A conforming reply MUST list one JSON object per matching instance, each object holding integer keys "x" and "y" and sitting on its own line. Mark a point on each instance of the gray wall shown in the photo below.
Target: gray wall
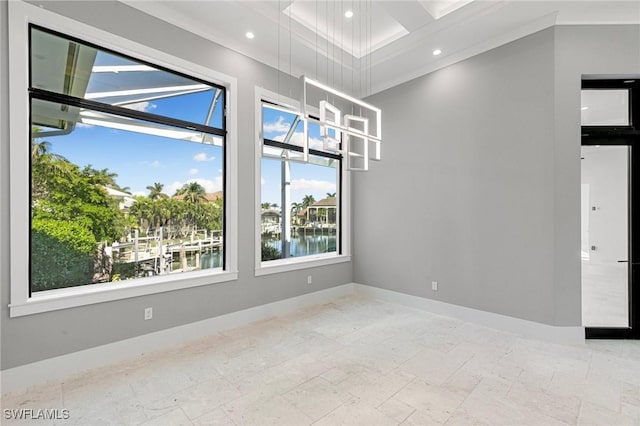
{"x": 463, "y": 188}
{"x": 580, "y": 50}
{"x": 36, "y": 337}
{"x": 479, "y": 187}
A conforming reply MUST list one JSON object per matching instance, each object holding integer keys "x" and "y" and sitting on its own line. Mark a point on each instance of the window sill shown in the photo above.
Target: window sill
{"x": 294, "y": 264}
{"x": 53, "y": 300}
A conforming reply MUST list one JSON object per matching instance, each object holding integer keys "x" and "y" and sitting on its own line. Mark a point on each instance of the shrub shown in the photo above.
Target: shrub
{"x": 269, "y": 252}
{"x": 62, "y": 254}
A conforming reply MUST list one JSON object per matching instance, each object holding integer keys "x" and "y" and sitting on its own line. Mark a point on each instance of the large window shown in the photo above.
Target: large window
{"x": 300, "y": 210}
{"x": 120, "y": 160}
{"x": 126, "y": 167}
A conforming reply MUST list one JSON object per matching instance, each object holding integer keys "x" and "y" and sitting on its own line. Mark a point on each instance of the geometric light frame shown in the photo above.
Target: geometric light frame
{"x": 367, "y": 134}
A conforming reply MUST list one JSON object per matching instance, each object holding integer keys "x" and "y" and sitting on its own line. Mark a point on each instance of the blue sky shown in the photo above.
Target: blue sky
{"x": 306, "y": 179}
{"x": 141, "y": 159}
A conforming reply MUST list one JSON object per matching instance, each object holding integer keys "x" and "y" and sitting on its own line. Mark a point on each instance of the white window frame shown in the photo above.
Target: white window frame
{"x": 303, "y": 262}
{"x": 20, "y": 16}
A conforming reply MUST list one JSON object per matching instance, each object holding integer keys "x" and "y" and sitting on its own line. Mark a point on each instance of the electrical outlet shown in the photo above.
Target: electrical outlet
{"x": 434, "y": 285}
{"x": 148, "y": 313}
{"x": 309, "y": 279}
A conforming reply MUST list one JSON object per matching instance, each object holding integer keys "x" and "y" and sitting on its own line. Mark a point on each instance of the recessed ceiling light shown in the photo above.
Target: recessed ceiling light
{"x": 250, "y": 35}
{"x": 348, "y": 14}
{"x": 436, "y": 52}
{"x": 584, "y": 108}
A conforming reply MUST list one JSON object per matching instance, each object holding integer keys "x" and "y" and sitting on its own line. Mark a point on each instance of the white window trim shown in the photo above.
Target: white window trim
{"x": 20, "y": 15}
{"x": 297, "y": 263}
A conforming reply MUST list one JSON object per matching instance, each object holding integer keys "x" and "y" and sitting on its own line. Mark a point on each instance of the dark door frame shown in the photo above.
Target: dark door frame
{"x": 623, "y": 136}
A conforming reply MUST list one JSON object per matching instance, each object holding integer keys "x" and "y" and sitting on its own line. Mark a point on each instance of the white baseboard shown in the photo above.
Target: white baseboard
{"x": 21, "y": 377}
{"x": 530, "y": 329}
{"x": 57, "y": 368}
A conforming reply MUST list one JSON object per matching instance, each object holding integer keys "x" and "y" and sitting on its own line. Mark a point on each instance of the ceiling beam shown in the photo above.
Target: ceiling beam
{"x": 411, "y": 15}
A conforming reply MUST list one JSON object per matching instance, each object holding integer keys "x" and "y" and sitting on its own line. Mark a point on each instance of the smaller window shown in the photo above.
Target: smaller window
{"x": 605, "y": 107}
{"x": 300, "y": 209}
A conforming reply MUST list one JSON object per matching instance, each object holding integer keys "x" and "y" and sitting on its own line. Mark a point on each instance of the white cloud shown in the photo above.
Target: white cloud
{"x": 315, "y": 143}
{"x": 313, "y": 185}
{"x": 208, "y": 184}
{"x": 141, "y": 106}
{"x": 262, "y": 181}
{"x": 155, "y": 163}
{"x": 298, "y": 140}
{"x": 193, "y": 171}
{"x": 139, "y": 193}
{"x": 202, "y": 156}
{"x": 279, "y": 126}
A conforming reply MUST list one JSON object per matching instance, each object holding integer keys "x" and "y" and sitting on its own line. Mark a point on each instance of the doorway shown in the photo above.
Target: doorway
{"x": 610, "y": 201}
{"x": 605, "y": 235}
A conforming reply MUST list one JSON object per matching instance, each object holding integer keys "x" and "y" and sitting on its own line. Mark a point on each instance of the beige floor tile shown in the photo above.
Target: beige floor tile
{"x": 562, "y": 408}
{"x": 317, "y": 397}
{"x": 259, "y": 410}
{"x": 433, "y": 403}
{"x": 174, "y": 418}
{"x": 396, "y": 409}
{"x": 354, "y": 361}
{"x": 374, "y": 388}
{"x": 216, "y": 417}
{"x": 356, "y": 413}
{"x": 592, "y": 415}
{"x": 205, "y": 396}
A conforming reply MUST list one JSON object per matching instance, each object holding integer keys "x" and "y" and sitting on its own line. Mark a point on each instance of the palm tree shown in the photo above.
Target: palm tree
{"x": 39, "y": 148}
{"x": 331, "y": 194}
{"x": 45, "y": 166}
{"x": 155, "y": 191}
{"x": 141, "y": 209}
{"x": 296, "y": 207}
{"x": 101, "y": 177}
{"x": 308, "y": 200}
{"x": 265, "y": 206}
{"x": 193, "y": 192}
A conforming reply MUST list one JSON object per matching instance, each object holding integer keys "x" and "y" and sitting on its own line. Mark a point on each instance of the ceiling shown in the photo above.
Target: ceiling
{"x": 384, "y": 43}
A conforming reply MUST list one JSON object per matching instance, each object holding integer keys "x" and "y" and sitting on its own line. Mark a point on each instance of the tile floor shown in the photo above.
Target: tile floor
{"x": 355, "y": 361}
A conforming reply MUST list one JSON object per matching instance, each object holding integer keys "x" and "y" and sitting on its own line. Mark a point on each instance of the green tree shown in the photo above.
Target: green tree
{"x": 331, "y": 194}
{"x": 45, "y": 166}
{"x": 141, "y": 211}
{"x": 70, "y": 206}
{"x": 102, "y": 177}
{"x": 307, "y": 201}
{"x": 193, "y": 192}
{"x": 295, "y": 208}
{"x": 155, "y": 191}
{"x": 60, "y": 190}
